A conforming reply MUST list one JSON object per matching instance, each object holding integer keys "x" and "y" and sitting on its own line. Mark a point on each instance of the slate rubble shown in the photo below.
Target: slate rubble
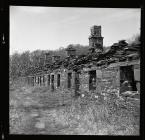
{"x": 119, "y": 52}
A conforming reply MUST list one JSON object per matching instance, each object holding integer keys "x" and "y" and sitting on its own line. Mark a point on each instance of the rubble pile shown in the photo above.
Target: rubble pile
{"x": 118, "y": 52}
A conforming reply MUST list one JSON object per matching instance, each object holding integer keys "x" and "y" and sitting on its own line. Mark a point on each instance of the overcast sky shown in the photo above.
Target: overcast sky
{"x": 48, "y": 28}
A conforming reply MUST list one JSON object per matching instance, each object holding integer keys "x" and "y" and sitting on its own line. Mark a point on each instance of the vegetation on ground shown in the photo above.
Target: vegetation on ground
{"x": 36, "y": 110}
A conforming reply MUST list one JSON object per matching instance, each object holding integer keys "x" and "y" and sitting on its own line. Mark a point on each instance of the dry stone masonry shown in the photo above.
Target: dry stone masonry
{"x": 98, "y": 71}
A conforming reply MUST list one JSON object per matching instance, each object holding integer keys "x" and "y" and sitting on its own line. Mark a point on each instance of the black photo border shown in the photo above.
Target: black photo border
{"x": 5, "y": 31}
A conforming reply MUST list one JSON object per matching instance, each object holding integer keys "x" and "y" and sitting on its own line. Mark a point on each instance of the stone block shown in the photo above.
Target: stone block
{"x": 137, "y": 74}
{"x": 99, "y": 73}
{"x": 138, "y": 86}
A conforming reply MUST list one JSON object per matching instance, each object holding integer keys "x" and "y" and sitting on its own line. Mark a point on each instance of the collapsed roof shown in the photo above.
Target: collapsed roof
{"x": 118, "y": 52}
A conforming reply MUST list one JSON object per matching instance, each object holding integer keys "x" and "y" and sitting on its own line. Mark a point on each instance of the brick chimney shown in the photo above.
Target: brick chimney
{"x": 71, "y": 52}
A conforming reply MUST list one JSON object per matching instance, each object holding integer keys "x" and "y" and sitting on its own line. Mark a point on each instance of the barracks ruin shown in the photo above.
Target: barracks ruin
{"x": 99, "y": 71}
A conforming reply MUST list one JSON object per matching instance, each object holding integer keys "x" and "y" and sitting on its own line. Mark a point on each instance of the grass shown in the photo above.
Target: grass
{"x": 60, "y": 113}
{"x": 94, "y": 119}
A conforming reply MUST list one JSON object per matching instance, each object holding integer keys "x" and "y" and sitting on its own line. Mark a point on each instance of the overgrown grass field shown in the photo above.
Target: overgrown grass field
{"x": 39, "y": 111}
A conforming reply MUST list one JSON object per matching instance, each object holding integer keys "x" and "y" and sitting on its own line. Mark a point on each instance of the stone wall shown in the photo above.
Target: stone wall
{"x": 110, "y": 79}
{"x": 107, "y": 78}
{"x": 84, "y": 81}
{"x": 137, "y": 76}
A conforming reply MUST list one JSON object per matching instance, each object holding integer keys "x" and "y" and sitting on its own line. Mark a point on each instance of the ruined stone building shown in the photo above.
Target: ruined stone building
{"x": 98, "y": 71}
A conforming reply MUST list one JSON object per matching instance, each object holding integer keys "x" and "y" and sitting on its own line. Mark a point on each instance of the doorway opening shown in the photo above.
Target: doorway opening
{"x": 92, "y": 80}
{"x": 58, "y": 80}
{"x": 52, "y": 82}
{"x": 40, "y": 81}
{"x": 69, "y": 80}
{"x": 48, "y": 80}
{"x": 127, "y": 81}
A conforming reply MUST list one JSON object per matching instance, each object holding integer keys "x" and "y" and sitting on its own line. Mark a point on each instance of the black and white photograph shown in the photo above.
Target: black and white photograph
{"x": 74, "y": 70}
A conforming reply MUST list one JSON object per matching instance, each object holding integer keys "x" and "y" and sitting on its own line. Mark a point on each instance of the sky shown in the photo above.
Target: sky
{"x": 49, "y": 28}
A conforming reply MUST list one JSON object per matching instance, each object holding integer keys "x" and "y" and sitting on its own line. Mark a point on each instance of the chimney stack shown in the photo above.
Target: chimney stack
{"x": 41, "y": 61}
{"x": 71, "y": 52}
{"x": 96, "y": 31}
{"x": 96, "y": 39}
{"x": 55, "y": 58}
{"x": 47, "y": 58}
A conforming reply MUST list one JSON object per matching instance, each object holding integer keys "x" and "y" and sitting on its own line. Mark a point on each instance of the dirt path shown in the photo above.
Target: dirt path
{"x": 38, "y": 113}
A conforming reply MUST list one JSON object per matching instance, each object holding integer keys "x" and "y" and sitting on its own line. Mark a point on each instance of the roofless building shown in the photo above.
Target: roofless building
{"x": 115, "y": 70}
